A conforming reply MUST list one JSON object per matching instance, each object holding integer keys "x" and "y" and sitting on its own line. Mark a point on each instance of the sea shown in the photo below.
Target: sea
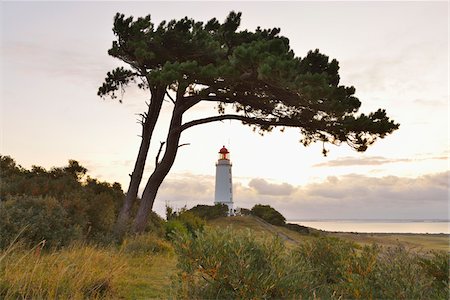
{"x": 379, "y": 226}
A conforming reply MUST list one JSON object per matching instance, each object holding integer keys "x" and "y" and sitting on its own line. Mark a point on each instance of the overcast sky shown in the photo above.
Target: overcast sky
{"x": 54, "y": 57}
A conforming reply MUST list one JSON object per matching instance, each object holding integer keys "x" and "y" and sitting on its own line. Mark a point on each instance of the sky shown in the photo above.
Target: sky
{"x": 54, "y": 58}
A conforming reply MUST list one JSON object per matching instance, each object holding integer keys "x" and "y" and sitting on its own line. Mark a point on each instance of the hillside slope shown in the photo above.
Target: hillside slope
{"x": 416, "y": 242}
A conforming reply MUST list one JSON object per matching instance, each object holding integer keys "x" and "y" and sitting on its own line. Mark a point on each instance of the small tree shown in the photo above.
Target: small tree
{"x": 209, "y": 212}
{"x": 257, "y": 73}
{"x": 268, "y": 214}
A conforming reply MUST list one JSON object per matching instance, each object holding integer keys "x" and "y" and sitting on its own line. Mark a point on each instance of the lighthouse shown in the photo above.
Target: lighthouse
{"x": 224, "y": 184}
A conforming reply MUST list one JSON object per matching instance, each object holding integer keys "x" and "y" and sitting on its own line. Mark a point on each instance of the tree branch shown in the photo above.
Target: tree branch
{"x": 159, "y": 153}
{"x": 170, "y": 97}
{"x": 250, "y": 120}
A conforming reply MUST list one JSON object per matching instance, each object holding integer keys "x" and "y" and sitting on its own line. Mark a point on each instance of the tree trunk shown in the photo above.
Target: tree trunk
{"x": 161, "y": 170}
{"x": 136, "y": 176}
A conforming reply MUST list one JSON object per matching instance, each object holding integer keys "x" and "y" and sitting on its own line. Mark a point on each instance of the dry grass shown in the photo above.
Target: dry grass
{"x": 140, "y": 269}
{"x": 76, "y": 272}
{"x": 416, "y": 242}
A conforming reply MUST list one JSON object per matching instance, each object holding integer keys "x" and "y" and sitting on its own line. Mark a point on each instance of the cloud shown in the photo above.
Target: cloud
{"x": 366, "y": 161}
{"x": 358, "y": 196}
{"x": 372, "y": 161}
{"x": 262, "y": 187}
{"x": 352, "y": 196}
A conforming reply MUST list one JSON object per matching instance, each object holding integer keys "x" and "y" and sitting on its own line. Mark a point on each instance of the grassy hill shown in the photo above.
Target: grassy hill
{"x": 416, "y": 242}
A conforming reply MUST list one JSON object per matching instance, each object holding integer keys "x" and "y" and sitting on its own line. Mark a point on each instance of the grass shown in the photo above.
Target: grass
{"x": 84, "y": 271}
{"x": 143, "y": 267}
{"x": 76, "y": 272}
{"x": 416, "y": 242}
{"x": 147, "y": 277}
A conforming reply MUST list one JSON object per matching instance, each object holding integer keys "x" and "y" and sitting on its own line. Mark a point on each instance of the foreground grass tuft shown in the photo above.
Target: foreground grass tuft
{"x": 76, "y": 272}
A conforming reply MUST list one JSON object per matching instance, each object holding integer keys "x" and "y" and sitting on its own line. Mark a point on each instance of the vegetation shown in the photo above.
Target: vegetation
{"x": 53, "y": 247}
{"x": 210, "y": 212}
{"x": 59, "y": 205}
{"x": 268, "y": 214}
{"x": 76, "y": 272}
{"x": 255, "y": 72}
{"x": 229, "y": 264}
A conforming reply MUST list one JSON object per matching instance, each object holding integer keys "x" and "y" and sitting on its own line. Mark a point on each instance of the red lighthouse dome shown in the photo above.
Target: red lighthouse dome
{"x": 223, "y": 153}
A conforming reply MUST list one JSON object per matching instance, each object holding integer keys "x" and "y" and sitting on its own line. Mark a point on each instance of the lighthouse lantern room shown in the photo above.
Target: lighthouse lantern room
{"x": 224, "y": 184}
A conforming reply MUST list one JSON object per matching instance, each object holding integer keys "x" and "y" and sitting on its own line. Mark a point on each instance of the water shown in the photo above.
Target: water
{"x": 379, "y": 226}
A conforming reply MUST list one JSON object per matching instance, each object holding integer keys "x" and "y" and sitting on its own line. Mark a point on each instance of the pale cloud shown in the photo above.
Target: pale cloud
{"x": 351, "y": 196}
{"x": 355, "y": 161}
{"x": 261, "y": 186}
{"x": 372, "y": 161}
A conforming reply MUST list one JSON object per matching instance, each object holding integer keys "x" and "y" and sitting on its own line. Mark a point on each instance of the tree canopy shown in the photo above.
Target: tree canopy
{"x": 254, "y": 72}
{"x": 257, "y": 72}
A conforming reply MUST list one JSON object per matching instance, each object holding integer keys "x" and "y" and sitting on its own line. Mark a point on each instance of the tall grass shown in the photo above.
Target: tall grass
{"x": 77, "y": 272}
{"x": 227, "y": 264}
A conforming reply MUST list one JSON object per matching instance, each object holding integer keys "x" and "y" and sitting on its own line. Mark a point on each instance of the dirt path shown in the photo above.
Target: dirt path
{"x": 274, "y": 230}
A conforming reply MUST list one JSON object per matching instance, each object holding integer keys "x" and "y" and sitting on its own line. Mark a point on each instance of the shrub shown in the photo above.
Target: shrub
{"x": 298, "y": 228}
{"x": 88, "y": 206}
{"x": 210, "y": 212}
{"x": 174, "y": 226}
{"x": 436, "y": 265}
{"x": 399, "y": 275}
{"x": 268, "y": 214}
{"x": 329, "y": 256}
{"x": 226, "y": 264}
{"x": 184, "y": 222}
{"x": 37, "y": 219}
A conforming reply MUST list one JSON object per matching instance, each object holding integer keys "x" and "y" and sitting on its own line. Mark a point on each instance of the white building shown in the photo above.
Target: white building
{"x": 224, "y": 184}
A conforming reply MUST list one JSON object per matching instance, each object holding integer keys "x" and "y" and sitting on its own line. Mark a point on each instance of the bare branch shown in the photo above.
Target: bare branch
{"x": 170, "y": 97}
{"x": 185, "y": 144}
{"x": 159, "y": 153}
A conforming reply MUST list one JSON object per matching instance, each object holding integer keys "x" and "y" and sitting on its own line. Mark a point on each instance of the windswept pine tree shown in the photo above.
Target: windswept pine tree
{"x": 255, "y": 72}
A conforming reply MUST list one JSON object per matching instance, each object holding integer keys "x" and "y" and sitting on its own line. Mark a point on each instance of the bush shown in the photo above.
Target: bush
{"x": 87, "y": 206}
{"x": 228, "y": 264}
{"x": 209, "y": 212}
{"x": 329, "y": 256}
{"x": 437, "y": 266}
{"x": 225, "y": 264}
{"x": 344, "y": 270}
{"x": 184, "y": 222}
{"x": 399, "y": 275}
{"x": 268, "y": 214}
{"x": 36, "y": 219}
{"x": 298, "y": 228}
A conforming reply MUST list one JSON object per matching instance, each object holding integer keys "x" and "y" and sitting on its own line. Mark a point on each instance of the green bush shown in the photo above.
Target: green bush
{"x": 437, "y": 265}
{"x": 226, "y": 264}
{"x": 329, "y": 256}
{"x": 88, "y": 206}
{"x": 210, "y": 212}
{"x": 183, "y": 222}
{"x": 399, "y": 275}
{"x": 268, "y": 214}
{"x": 36, "y": 219}
{"x": 174, "y": 226}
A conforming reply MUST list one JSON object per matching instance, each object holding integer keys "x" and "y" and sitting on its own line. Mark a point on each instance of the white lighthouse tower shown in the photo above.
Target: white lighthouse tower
{"x": 224, "y": 184}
